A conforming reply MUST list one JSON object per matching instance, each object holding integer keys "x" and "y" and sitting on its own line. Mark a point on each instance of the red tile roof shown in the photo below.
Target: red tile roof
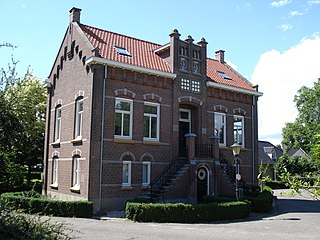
{"x": 236, "y": 79}
{"x": 142, "y": 55}
{"x": 142, "y": 52}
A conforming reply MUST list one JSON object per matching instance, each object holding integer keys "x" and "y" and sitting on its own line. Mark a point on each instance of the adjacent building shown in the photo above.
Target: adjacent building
{"x": 129, "y": 118}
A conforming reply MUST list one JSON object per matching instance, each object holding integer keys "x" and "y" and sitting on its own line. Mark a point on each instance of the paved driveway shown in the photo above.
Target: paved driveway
{"x": 292, "y": 218}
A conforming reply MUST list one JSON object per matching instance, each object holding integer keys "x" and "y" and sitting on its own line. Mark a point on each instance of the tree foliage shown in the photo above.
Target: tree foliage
{"x": 22, "y": 124}
{"x": 302, "y": 133}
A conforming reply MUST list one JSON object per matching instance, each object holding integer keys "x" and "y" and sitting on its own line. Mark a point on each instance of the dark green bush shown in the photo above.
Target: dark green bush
{"x": 21, "y": 226}
{"x": 262, "y": 202}
{"x": 211, "y": 199}
{"x": 187, "y": 213}
{"x": 31, "y": 202}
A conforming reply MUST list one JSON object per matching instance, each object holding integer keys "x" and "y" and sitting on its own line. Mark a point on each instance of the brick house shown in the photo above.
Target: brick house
{"x": 127, "y": 117}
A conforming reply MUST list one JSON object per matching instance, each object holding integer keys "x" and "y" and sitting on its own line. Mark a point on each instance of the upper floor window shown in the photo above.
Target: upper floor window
{"x": 238, "y": 130}
{"x": 190, "y": 85}
{"x": 123, "y": 118}
{"x": 126, "y": 173}
{"x": 79, "y": 118}
{"x": 151, "y": 117}
{"x": 57, "y": 125}
{"x": 220, "y": 127}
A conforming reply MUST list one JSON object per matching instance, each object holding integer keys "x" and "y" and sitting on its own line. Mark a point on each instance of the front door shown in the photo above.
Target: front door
{"x": 202, "y": 183}
{"x": 184, "y": 128}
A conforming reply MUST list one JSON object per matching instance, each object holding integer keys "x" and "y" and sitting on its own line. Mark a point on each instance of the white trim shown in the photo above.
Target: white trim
{"x": 76, "y": 173}
{"x": 148, "y": 164}
{"x": 162, "y": 48}
{"x": 126, "y": 184}
{"x": 242, "y": 130}
{"x": 99, "y": 60}
{"x": 150, "y": 115}
{"x": 57, "y": 124}
{"x": 224, "y": 143}
{"x": 130, "y": 101}
{"x": 55, "y": 168}
{"x": 235, "y": 89}
{"x": 78, "y": 119}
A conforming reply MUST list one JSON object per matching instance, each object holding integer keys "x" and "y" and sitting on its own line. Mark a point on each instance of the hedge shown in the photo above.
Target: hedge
{"x": 261, "y": 203}
{"x": 187, "y": 213}
{"x": 30, "y": 202}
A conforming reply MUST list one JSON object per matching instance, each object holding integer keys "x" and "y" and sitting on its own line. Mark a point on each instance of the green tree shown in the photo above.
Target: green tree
{"x": 302, "y": 133}
{"x": 22, "y": 124}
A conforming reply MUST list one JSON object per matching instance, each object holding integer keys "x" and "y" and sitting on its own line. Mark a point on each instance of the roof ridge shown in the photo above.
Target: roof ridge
{"x": 119, "y": 34}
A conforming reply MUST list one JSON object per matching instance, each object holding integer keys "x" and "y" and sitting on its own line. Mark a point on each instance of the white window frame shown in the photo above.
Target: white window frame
{"x": 79, "y": 120}
{"x": 188, "y": 120}
{"x": 57, "y": 130}
{"x": 150, "y": 115}
{"x": 148, "y": 164}
{"x": 224, "y": 140}
{"x": 76, "y": 173}
{"x": 54, "y": 172}
{"x": 128, "y": 183}
{"x": 117, "y": 100}
{"x": 242, "y": 125}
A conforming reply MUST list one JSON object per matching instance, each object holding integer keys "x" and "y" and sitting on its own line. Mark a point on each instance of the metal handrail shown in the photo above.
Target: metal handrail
{"x": 230, "y": 171}
{"x": 168, "y": 172}
{"x": 204, "y": 150}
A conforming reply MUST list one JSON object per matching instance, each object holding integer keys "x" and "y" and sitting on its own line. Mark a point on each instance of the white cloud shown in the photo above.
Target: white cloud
{"x": 311, "y": 2}
{"x": 279, "y": 76}
{"x": 295, "y": 13}
{"x": 231, "y": 64}
{"x": 285, "y": 27}
{"x": 280, "y": 3}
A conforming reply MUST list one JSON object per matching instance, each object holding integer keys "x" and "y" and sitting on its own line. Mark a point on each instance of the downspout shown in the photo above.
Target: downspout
{"x": 102, "y": 135}
{"x": 48, "y": 120}
{"x": 253, "y": 139}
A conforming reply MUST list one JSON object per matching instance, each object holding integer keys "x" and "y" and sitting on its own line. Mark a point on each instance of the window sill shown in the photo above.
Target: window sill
{"x": 56, "y": 144}
{"x": 77, "y": 140}
{"x": 151, "y": 142}
{"x": 127, "y": 188}
{"x": 75, "y": 189}
{"x": 123, "y": 140}
{"x": 54, "y": 186}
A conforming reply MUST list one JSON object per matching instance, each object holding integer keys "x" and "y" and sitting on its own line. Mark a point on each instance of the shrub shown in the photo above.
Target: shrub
{"x": 186, "y": 213}
{"x": 21, "y": 226}
{"x": 262, "y": 202}
{"x": 32, "y": 202}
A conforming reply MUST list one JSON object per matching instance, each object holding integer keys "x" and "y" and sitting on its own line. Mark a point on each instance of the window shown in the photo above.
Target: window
{"x": 54, "y": 172}
{"x": 76, "y": 173}
{"x": 79, "y": 118}
{"x": 57, "y": 130}
{"x": 220, "y": 127}
{"x": 123, "y": 118}
{"x": 145, "y": 174}
{"x": 224, "y": 75}
{"x": 151, "y": 119}
{"x": 238, "y": 130}
{"x": 195, "y": 86}
{"x": 190, "y": 85}
{"x": 122, "y": 51}
{"x": 126, "y": 173}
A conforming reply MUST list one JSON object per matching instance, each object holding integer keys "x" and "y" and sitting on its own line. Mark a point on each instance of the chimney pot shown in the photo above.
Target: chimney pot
{"x": 75, "y": 15}
{"x": 220, "y": 56}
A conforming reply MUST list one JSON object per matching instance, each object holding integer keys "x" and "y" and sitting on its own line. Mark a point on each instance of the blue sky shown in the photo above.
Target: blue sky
{"x": 261, "y": 39}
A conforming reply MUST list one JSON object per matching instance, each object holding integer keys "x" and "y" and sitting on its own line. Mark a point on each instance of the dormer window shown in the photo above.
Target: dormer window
{"x": 224, "y": 75}
{"x": 122, "y": 51}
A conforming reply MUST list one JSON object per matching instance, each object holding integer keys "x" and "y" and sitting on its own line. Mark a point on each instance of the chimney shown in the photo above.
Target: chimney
{"x": 75, "y": 15}
{"x": 220, "y": 56}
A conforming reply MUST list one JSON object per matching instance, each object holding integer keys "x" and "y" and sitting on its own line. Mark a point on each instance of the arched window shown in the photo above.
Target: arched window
{"x": 78, "y": 118}
{"x": 54, "y": 180}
